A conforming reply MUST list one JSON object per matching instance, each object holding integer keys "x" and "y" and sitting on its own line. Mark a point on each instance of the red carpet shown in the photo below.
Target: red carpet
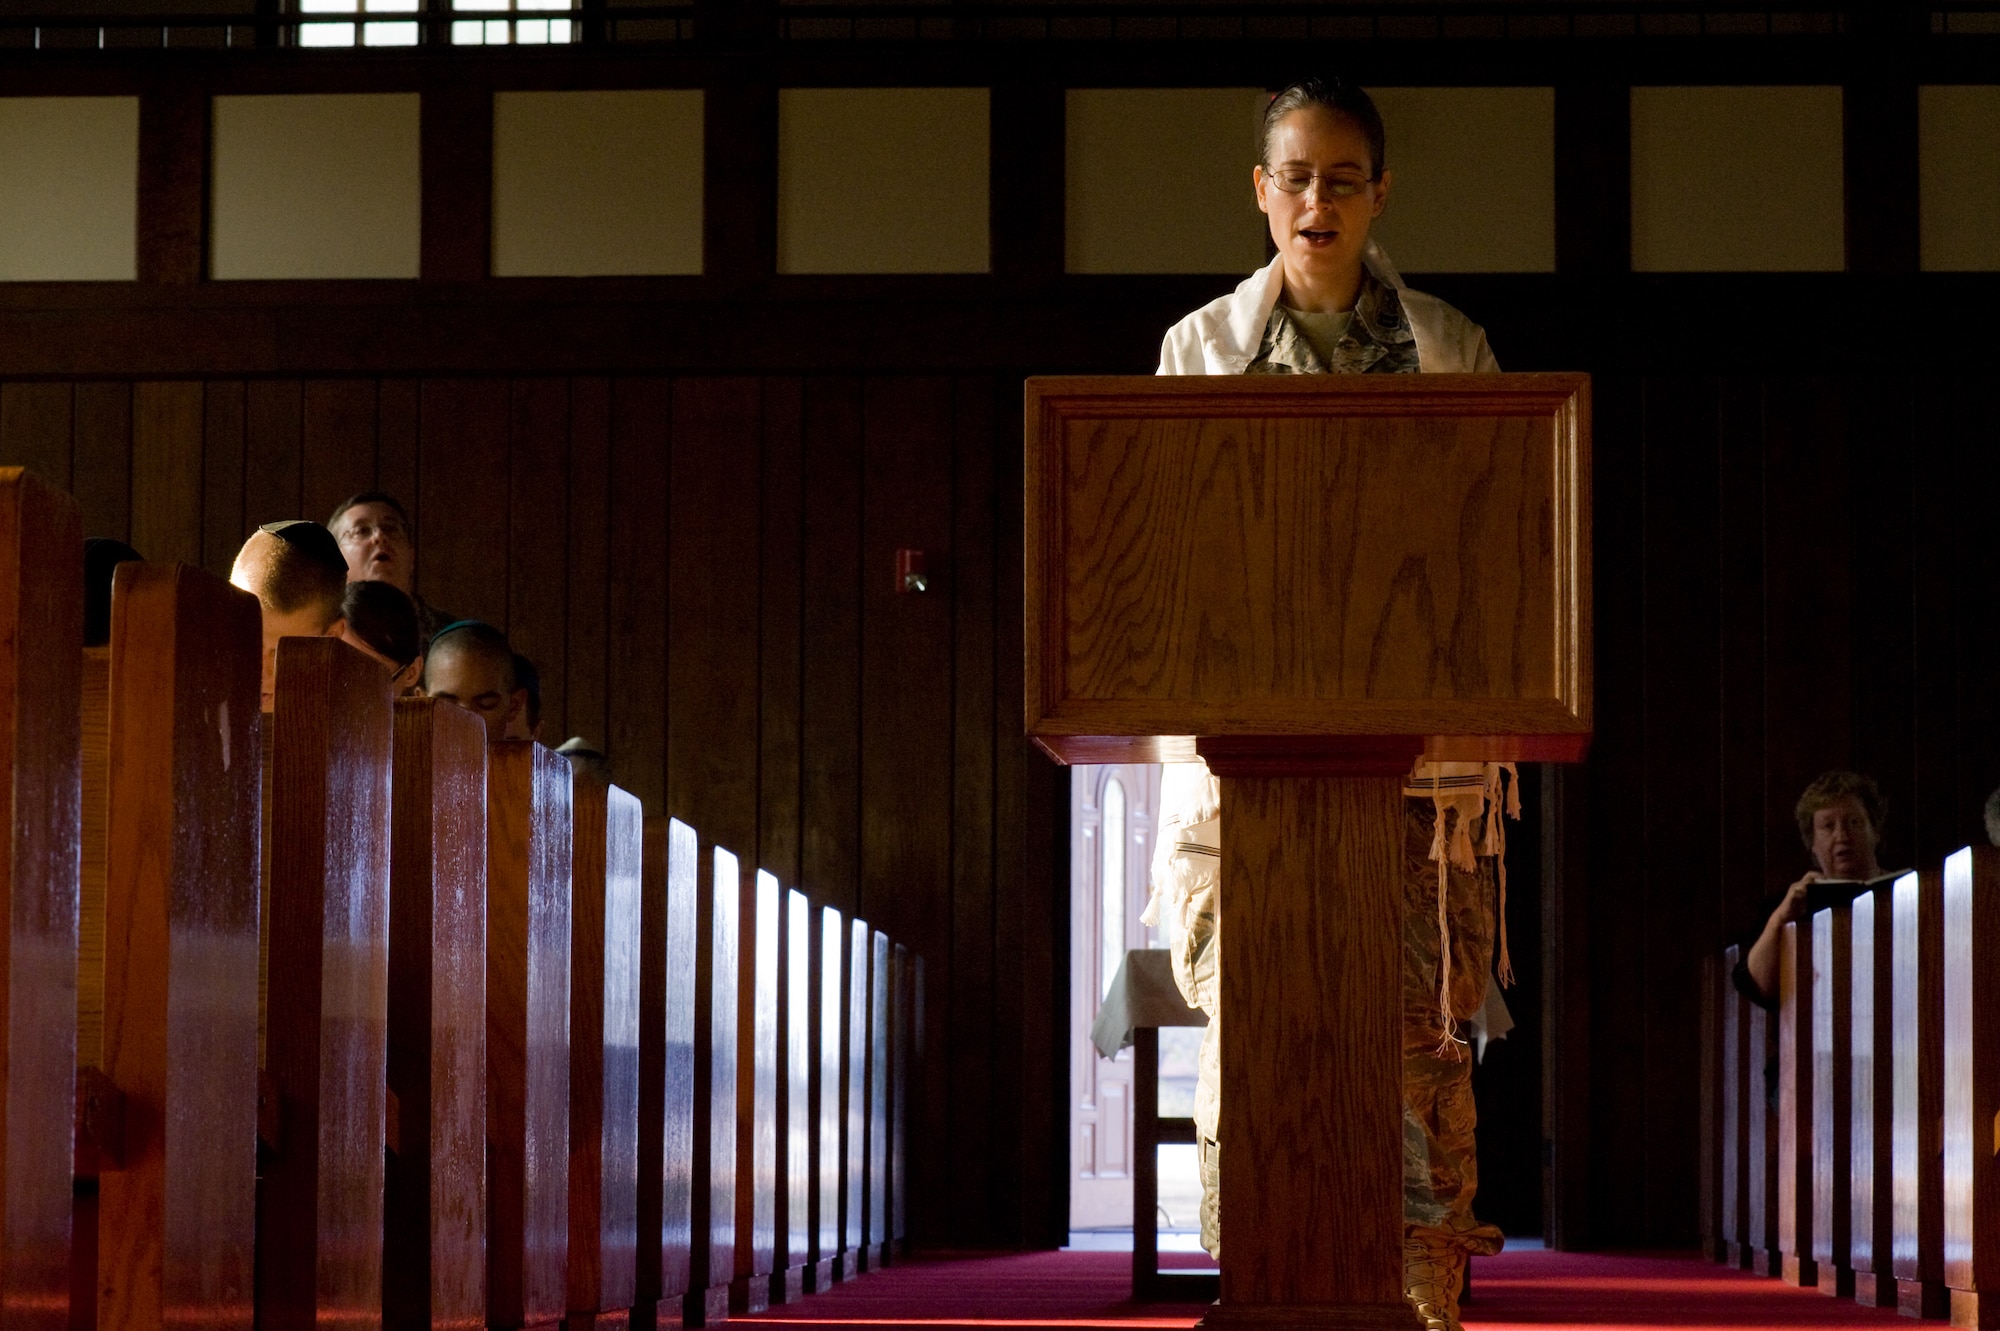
{"x": 1514, "y": 1290}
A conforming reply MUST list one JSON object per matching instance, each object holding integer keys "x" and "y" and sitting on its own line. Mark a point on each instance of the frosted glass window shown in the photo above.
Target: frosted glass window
{"x": 69, "y": 189}
{"x": 1472, "y": 176}
{"x": 883, "y": 180}
{"x": 1158, "y": 180}
{"x": 1959, "y": 166}
{"x": 1737, "y": 180}
{"x": 597, "y": 183}
{"x": 405, "y": 33}
{"x": 493, "y": 27}
{"x": 316, "y": 186}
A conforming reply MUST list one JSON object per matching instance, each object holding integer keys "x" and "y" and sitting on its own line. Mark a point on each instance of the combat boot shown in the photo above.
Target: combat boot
{"x": 1433, "y": 1271}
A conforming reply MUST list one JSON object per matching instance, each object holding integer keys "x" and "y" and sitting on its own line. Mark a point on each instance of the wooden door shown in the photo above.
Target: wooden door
{"x": 1113, "y": 810}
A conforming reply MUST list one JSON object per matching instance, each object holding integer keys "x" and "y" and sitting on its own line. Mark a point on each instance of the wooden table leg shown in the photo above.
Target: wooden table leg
{"x": 1311, "y": 1126}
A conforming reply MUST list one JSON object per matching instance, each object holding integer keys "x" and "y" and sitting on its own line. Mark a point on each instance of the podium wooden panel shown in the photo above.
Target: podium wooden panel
{"x": 319, "y": 1212}
{"x": 177, "y": 1217}
{"x": 1310, "y": 582}
{"x": 434, "y": 1250}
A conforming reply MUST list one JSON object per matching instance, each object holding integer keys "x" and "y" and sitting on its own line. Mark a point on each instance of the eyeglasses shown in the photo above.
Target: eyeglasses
{"x": 1341, "y": 185}
{"x": 367, "y": 531}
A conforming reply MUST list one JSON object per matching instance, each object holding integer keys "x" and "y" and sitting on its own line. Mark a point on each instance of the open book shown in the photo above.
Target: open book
{"x": 1826, "y": 892}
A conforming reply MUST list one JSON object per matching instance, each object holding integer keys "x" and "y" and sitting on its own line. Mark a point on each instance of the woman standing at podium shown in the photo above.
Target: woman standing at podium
{"x": 1331, "y": 303}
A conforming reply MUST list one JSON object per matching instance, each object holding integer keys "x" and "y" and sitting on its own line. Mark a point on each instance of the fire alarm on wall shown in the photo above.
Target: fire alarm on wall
{"x": 911, "y": 575}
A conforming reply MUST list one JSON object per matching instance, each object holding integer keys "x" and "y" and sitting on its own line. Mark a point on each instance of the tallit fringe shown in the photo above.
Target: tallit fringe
{"x": 1453, "y": 848}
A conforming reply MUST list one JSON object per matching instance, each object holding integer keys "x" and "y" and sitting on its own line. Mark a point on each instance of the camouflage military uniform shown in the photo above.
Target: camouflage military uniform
{"x": 1378, "y": 340}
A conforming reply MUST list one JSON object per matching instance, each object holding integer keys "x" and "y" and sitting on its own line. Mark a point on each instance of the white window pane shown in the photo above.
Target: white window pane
{"x": 468, "y": 34}
{"x": 326, "y": 7}
{"x": 559, "y": 30}
{"x": 473, "y": 6}
{"x": 496, "y": 32}
{"x": 533, "y": 31}
{"x": 389, "y": 34}
{"x": 391, "y": 7}
{"x": 326, "y": 34}
{"x": 525, "y": 6}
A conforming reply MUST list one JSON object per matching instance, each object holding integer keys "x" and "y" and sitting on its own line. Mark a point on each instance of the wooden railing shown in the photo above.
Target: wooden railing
{"x": 521, "y": 1044}
{"x": 1854, "y": 1131}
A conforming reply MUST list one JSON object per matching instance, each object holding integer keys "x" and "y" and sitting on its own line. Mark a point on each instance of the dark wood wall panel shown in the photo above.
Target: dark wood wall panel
{"x": 830, "y": 644}
{"x": 637, "y": 682}
{"x": 586, "y": 602}
{"x": 538, "y": 538}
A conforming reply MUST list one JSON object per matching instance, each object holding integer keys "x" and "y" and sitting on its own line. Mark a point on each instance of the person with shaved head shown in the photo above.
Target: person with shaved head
{"x": 470, "y": 663}
{"x": 296, "y": 572}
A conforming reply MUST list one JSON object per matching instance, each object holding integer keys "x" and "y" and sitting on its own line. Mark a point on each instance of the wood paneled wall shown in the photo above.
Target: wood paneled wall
{"x": 704, "y": 570}
{"x": 1794, "y": 574}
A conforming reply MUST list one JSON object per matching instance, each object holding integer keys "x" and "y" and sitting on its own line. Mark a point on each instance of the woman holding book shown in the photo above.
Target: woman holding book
{"x": 1840, "y": 822}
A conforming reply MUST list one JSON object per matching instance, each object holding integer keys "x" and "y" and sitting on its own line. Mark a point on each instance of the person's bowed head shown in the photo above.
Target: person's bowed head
{"x": 469, "y": 663}
{"x": 297, "y": 573}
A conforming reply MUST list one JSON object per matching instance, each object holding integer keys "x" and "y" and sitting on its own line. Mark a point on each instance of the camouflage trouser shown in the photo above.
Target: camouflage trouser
{"x": 1440, "y": 1159}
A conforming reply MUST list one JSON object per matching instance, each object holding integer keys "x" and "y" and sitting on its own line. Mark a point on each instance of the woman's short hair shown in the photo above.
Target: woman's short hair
{"x": 1830, "y": 788}
{"x": 1334, "y": 94}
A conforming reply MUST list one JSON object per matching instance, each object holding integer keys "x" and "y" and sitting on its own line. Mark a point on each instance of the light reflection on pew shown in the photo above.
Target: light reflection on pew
{"x": 528, "y": 872}
{"x": 451, "y": 932}
{"x": 715, "y": 1126}
{"x": 1880, "y": 1170}
{"x": 176, "y": 1218}
{"x": 434, "y": 1241}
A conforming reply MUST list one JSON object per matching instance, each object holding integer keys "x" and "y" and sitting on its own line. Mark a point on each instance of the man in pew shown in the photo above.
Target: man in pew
{"x": 379, "y": 544}
{"x": 1840, "y": 821}
{"x": 529, "y": 724}
{"x": 297, "y": 573}
{"x": 470, "y": 663}
{"x": 380, "y": 621}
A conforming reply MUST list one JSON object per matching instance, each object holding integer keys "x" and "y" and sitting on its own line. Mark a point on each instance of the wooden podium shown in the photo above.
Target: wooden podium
{"x": 1309, "y": 581}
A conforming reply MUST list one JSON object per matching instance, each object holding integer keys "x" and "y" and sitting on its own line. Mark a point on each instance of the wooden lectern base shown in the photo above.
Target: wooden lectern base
{"x": 1311, "y": 1129}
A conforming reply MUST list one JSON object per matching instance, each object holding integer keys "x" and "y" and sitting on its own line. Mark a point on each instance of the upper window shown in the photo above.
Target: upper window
{"x": 485, "y": 23}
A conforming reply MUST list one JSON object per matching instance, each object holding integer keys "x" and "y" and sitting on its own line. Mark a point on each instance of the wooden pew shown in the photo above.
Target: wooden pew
{"x": 528, "y": 869}
{"x": 1971, "y": 1103}
{"x": 901, "y": 1047}
{"x": 1735, "y": 1130}
{"x": 1761, "y": 1155}
{"x": 41, "y": 641}
{"x": 176, "y": 1219}
{"x": 1795, "y": 1103}
{"x": 829, "y": 1081}
{"x": 666, "y": 1071}
{"x": 434, "y": 1237}
{"x": 1710, "y": 1128}
{"x": 604, "y": 1053}
{"x": 795, "y": 1116}
{"x": 757, "y": 1102}
{"x": 1917, "y": 1235}
{"x": 1871, "y": 1115}
{"x": 854, "y": 1130}
{"x": 875, "y": 1250}
{"x": 1832, "y": 1077}
{"x": 719, "y": 936}
{"x": 319, "y": 1214}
